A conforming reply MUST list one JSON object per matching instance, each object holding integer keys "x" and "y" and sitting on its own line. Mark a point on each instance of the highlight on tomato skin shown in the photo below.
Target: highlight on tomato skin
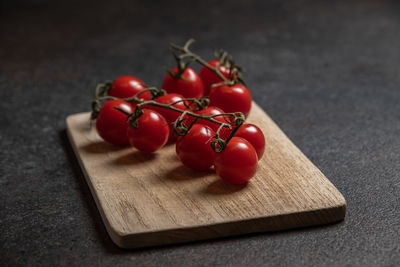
{"x": 194, "y": 149}
{"x": 128, "y": 86}
{"x": 237, "y": 163}
{"x": 190, "y": 85}
{"x": 231, "y": 98}
{"x": 151, "y": 134}
{"x": 111, "y": 124}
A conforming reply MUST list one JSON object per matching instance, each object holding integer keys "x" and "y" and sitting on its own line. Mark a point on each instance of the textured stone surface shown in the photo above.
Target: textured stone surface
{"x": 328, "y": 72}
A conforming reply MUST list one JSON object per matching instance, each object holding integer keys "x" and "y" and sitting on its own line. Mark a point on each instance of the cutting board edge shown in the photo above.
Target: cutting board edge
{"x": 221, "y": 230}
{"x": 110, "y": 229}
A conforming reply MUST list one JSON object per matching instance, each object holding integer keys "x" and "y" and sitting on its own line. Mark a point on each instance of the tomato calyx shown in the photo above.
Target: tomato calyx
{"x": 132, "y": 118}
{"x": 226, "y": 60}
{"x": 218, "y": 144}
{"x": 181, "y": 66}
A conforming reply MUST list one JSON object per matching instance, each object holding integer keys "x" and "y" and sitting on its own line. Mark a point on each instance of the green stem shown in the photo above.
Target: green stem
{"x": 132, "y": 118}
{"x": 170, "y": 106}
{"x": 198, "y": 116}
{"x": 187, "y": 53}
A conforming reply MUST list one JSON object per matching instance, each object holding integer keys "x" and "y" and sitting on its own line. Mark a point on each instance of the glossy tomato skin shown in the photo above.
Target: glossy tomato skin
{"x": 128, "y": 86}
{"x": 194, "y": 149}
{"x": 169, "y": 115}
{"x": 254, "y": 135}
{"x": 208, "y": 112}
{"x": 152, "y": 132}
{"x": 224, "y": 133}
{"x": 190, "y": 87}
{"x": 231, "y": 98}
{"x": 111, "y": 124}
{"x": 209, "y": 77}
{"x": 237, "y": 163}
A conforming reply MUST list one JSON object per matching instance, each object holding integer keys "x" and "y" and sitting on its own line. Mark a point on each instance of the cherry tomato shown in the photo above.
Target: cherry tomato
{"x": 232, "y": 98}
{"x": 224, "y": 133}
{"x": 191, "y": 86}
{"x": 254, "y": 135}
{"x": 128, "y": 86}
{"x": 208, "y": 112}
{"x": 194, "y": 149}
{"x": 237, "y": 163}
{"x": 152, "y": 132}
{"x": 111, "y": 124}
{"x": 209, "y": 77}
{"x": 169, "y": 115}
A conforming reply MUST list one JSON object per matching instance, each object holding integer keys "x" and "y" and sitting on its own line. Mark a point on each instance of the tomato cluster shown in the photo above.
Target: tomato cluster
{"x": 213, "y": 136}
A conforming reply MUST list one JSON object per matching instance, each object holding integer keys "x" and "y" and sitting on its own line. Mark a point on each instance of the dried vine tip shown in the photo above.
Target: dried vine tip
{"x": 102, "y": 89}
{"x": 185, "y": 46}
{"x": 188, "y": 43}
{"x": 224, "y": 58}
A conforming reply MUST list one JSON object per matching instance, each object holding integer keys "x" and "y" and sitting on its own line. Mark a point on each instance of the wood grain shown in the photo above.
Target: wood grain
{"x": 148, "y": 200}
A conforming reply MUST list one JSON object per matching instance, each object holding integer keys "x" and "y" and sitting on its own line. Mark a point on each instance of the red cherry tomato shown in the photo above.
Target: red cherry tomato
{"x": 152, "y": 132}
{"x": 191, "y": 86}
{"x": 208, "y": 112}
{"x": 111, "y": 124}
{"x": 237, "y": 163}
{"x": 194, "y": 149}
{"x": 254, "y": 135}
{"x": 232, "y": 98}
{"x": 209, "y": 77}
{"x": 128, "y": 86}
{"x": 224, "y": 133}
{"x": 169, "y": 115}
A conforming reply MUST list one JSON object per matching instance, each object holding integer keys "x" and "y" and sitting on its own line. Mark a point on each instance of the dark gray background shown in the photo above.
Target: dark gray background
{"x": 328, "y": 72}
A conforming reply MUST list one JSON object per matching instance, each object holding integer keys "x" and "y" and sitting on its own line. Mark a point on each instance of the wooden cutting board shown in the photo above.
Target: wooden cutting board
{"x": 148, "y": 200}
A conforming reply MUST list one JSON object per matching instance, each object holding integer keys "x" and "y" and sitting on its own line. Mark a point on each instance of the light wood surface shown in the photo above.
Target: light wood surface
{"x": 148, "y": 200}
